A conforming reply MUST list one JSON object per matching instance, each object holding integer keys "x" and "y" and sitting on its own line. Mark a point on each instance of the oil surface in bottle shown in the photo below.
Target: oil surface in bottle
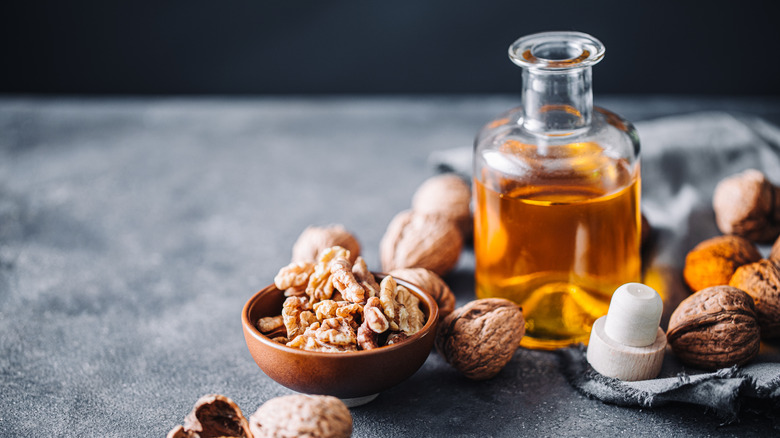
{"x": 558, "y": 242}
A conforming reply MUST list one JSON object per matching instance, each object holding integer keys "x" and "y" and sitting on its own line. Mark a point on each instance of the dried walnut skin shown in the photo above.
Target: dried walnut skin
{"x": 715, "y": 328}
{"x": 480, "y": 338}
{"x": 415, "y": 240}
{"x": 314, "y": 416}
{"x": 761, "y": 280}
{"x": 713, "y": 261}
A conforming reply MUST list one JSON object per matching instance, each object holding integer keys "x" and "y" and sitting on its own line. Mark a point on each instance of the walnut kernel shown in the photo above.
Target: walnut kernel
{"x": 314, "y": 416}
{"x": 480, "y": 338}
{"x": 714, "y": 328}
{"x": 713, "y": 261}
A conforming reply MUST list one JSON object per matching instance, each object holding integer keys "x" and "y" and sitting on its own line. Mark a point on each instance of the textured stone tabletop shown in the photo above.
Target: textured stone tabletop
{"x": 132, "y": 231}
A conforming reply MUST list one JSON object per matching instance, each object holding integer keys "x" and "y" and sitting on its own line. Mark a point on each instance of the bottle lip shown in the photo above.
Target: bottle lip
{"x": 556, "y": 51}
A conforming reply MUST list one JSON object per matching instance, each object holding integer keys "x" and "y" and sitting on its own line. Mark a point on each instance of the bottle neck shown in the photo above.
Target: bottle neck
{"x": 557, "y": 102}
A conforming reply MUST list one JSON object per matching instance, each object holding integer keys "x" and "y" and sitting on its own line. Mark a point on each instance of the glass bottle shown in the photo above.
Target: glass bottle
{"x": 557, "y": 191}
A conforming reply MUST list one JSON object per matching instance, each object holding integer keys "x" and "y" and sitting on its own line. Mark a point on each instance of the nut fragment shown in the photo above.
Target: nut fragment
{"x": 713, "y": 261}
{"x": 445, "y": 195}
{"x": 714, "y": 328}
{"x": 213, "y": 415}
{"x": 290, "y": 416}
{"x": 748, "y": 205}
{"x": 431, "y": 283}
{"x": 761, "y": 280}
{"x": 315, "y": 239}
{"x": 415, "y": 240}
{"x": 480, "y": 338}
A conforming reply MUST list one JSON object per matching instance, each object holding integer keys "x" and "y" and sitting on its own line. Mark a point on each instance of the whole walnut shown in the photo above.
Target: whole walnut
{"x": 713, "y": 261}
{"x": 761, "y": 280}
{"x": 416, "y": 240}
{"x": 775, "y": 253}
{"x": 213, "y": 415}
{"x": 480, "y": 338}
{"x": 315, "y": 239}
{"x": 715, "y": 328}
{"x": 431, "y": 283}
{"x": 446, "y": 195}
{"x": 299, "y": 415}
{"x": 748, "y": 205}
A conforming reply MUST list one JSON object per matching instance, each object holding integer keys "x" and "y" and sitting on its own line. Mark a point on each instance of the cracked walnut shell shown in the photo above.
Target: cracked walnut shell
{"x": 313, "y": 240}
{"x": 713, "y": 261}
{"x": 415, "y": 240}
{"x": 715, "y": 328}
{"x": 213, "y": 415}
{"x": 761, "y": 280}
{"x": 480, "y": 338}
{"x": 290, "y": 416}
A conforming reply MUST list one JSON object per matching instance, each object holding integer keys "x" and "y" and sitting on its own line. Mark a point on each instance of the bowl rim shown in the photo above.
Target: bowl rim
{"x": 432, "y": 320}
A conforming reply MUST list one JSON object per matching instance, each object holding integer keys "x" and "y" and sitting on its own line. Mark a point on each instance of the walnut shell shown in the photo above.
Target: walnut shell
{"x": 430, "y": 283}
{"x": 480, "y": 338}
{"x": 446, "y": 195}
{"x": 315, "y": 239}
{"x": 748, "y": 205}
{"x": 213, "y": 415}
{"x": 761, "y": 280}
{"x": 715, "y": 328}
{"x": 713, "y": 261}
{"x": 314, "y": 416}
{"x": 415, "y": 240}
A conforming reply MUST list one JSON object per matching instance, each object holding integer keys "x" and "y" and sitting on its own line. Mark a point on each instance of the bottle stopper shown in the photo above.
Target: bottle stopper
{"x": 627, "y": 343}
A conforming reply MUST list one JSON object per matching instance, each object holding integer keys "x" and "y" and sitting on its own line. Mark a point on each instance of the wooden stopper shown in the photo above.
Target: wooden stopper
{"x": 627, "y": 343}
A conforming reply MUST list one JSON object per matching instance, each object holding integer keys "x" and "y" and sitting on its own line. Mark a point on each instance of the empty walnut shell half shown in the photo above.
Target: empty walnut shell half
{"x": 713, "y": 261}
{"x": 480, "y": 338}
{"x": 315, "y": 416}
{"x": 315, "y": 239}
{"x": 761, "y": 280}
{"x": 415, "y": 240}
{"x": 715, "y": 328}
{"x": 213, "y": 415}
{"x": 431, "y": 283}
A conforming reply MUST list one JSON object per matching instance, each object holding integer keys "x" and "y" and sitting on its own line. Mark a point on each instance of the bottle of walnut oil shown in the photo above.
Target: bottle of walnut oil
{"x": 557, "y": 191}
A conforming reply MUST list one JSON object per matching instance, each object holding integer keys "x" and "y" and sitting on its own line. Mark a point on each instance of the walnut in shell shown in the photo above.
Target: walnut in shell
{"x": 775, "y": 253}
{"x": 713, "y": 261}
{"x": 415, "y": 240}
{"x": 446, "y": 195}
{"x": 290, "y": 416}
{"x": 431, "y": 283}
{"x": 213, "y": 415}
{"x": 761, "y": 280}
{"x": 315, "y": 239}
{"x": 480, "y": 338}
{"x": 714, "y": 328}
{"x": 748, "y": 205}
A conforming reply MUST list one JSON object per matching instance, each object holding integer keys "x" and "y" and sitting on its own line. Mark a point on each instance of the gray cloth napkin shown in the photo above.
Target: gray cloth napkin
{"x": 683, "y": 158}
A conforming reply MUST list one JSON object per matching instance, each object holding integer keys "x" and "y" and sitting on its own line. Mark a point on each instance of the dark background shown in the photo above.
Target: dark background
{"x": 712, "y": 47}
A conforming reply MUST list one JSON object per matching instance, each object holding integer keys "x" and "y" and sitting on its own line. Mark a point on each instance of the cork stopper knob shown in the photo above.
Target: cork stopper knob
{"x": 627, "y": 343}
{"x": 634, "y": 314}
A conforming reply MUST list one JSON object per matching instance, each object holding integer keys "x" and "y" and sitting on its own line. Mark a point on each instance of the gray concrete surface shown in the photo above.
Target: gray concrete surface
{"x": 132, "y": 231}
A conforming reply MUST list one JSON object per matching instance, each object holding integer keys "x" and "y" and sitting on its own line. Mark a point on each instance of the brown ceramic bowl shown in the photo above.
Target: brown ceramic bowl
{"x": 355, "y": 377}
